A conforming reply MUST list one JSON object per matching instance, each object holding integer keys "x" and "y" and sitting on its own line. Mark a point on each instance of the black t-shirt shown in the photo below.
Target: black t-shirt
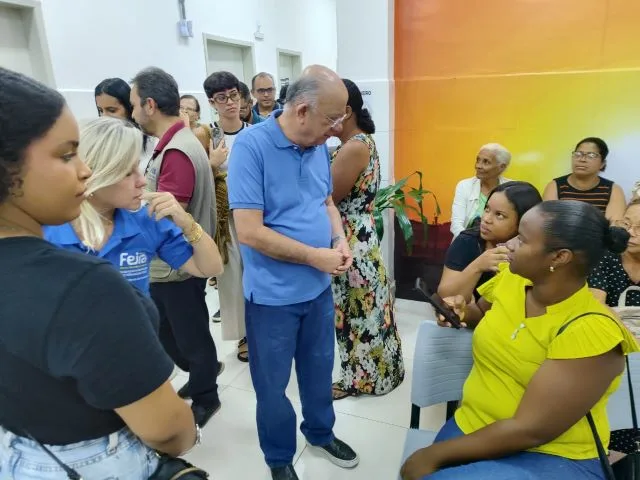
{"x": 465, "y": 248}
{"x": 76, "y": 342}
{"x": 611, "y": 277}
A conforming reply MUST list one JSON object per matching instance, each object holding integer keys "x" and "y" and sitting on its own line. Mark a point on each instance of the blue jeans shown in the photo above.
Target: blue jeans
{"x": 120, "y": 456}
{"x": 521, "y": 466}
{"x": 276, "y": 335}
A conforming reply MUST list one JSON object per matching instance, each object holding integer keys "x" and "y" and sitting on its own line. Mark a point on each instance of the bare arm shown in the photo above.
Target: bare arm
{"x": 252, "y": 232}
{"x": 550, "y": 191}
{"x": 462, "y": 283}
{"x": 335, "y": 219}
{"x": 173, "y": 432}
{"x": 560, "y": 385}
{"x": 206, "y": 261}
{"x": 567, "y": 395}
{"x": 617, "y": 204}
{"x": 349, "y": 163}
{"x": 600, "y": 295}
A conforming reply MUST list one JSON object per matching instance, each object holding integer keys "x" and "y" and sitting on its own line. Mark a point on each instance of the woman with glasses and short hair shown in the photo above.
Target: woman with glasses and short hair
{"x": 585, "y": 184}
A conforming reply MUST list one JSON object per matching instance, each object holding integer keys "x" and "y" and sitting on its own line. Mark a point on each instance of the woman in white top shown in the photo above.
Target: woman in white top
{"x": 223, "y": 92}
{"x": 472, "y": 193}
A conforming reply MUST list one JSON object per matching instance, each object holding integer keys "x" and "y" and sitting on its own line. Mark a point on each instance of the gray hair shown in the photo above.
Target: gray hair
{"x": 155, "y": 83}
{"x": 262, "y": 75}
{"x": 303, "y": 90}
{"x": 503, "y": 156}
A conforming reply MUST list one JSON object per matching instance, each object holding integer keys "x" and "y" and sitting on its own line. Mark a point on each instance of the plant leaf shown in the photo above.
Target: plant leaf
{"x": 379, "y": 223}
{"x": 405, "y": 226}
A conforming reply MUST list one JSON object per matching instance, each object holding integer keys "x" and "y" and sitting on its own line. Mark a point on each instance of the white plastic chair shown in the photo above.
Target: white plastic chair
{"x": 619, "y": 408}
{"x": 441, "y": 364}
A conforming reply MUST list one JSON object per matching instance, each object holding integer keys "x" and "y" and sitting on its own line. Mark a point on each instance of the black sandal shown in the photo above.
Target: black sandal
{"x": 243, "y": 350}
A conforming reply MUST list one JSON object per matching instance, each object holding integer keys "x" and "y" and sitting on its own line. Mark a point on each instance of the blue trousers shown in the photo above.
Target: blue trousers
{"x": 521, "y": 466}
{"x": 276, "y": 335}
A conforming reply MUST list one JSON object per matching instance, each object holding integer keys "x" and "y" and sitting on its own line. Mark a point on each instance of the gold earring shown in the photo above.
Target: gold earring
{"x": 551, "y": 269}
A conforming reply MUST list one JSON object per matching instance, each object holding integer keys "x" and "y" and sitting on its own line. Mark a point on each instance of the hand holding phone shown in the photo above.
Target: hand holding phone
{"x": 447, "y": 317}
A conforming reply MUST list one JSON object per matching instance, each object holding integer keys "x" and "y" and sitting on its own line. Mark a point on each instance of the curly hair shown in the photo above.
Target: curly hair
{"x": 28, "y": 110}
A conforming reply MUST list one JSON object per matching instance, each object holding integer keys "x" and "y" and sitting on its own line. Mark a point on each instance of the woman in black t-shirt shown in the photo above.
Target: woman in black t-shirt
{"x": 81, "y": 368}
{"x": 616, "y": 273}
{"x": 475, "y": 254}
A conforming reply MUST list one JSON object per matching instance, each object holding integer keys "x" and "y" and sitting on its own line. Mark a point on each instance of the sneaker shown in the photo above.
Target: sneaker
{"x": 215, "y": 318}
{"x": 184, "y": 393}
{"x": 338, "y": 453}
{"x": 284, "y": 473}
{"x": 203, "y": 414}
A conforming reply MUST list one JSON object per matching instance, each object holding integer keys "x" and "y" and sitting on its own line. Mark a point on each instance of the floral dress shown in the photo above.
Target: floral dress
{"x": 368, "y": 340}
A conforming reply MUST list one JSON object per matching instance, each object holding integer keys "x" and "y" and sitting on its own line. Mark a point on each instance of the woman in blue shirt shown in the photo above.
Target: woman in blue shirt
{"x": 112, "y": 225}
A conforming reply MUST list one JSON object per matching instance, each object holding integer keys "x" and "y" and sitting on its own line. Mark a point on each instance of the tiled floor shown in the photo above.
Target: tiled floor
{"x": 374, "y": 426}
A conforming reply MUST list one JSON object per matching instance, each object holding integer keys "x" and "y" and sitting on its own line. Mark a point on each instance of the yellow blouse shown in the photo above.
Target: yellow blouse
{"x": 508, "y": 349}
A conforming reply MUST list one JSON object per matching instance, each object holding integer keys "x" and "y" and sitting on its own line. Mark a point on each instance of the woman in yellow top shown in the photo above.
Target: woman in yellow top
{"x": 523, "y": 406}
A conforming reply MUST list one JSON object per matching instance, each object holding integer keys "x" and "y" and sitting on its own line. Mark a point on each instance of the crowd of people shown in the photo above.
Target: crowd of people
{"x": 111, "y": 230}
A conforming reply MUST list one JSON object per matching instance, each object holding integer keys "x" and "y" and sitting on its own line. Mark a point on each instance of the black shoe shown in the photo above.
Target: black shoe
{"x": 284, "y": 473}
{"x": 339, "y": 453}
{"x": 203, "y": 414}
{"x": 216, "y": 318}
{"x": 184, "y": 390}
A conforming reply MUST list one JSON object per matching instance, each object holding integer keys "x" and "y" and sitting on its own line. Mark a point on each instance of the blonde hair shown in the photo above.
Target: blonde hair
{"x": 111, "y": 148}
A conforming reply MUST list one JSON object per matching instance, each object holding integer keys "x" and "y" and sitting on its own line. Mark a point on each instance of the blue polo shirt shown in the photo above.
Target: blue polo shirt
{"x": 290, "y": 185}
{"x": 136, "y": 239}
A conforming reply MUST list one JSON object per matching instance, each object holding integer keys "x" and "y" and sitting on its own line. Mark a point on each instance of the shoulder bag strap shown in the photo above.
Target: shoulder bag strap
{"x": 602, "y": 454}
{"x": 71, "y": 473}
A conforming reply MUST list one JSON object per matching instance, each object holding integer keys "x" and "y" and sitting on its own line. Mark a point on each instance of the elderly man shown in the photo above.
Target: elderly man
{"x": 472, "y": 193}
{"x": 292, "y": 242}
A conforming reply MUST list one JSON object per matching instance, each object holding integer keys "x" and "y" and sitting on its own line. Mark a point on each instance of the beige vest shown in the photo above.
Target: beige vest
{"x": 203, "y": 201}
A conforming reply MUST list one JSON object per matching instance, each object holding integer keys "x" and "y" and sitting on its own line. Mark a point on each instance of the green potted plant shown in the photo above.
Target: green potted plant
{"x": 403, "y": 198}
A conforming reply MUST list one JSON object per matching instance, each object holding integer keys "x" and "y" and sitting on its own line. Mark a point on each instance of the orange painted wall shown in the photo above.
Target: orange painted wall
{"x": 534, "y": 75}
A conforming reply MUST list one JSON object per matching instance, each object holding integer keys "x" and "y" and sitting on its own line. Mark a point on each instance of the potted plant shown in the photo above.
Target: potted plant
{"x": 395, "y": 197}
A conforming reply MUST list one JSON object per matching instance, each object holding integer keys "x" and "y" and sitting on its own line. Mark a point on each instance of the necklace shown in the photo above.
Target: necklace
{"x": 517, "y": 331}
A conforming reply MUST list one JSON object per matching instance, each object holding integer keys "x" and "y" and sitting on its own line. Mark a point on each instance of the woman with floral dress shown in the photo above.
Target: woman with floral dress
{"x": 368, "y": 339}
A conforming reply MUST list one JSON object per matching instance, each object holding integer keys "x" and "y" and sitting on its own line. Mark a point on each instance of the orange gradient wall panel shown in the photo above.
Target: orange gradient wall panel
{"x": 534, "y": 75}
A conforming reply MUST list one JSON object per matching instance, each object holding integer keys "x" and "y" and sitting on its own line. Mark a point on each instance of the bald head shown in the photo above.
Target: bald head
{"x": 315, "y": 82}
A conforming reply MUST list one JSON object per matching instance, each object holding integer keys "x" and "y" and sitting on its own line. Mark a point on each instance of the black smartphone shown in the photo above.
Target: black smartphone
{"x": 438, "y": 304}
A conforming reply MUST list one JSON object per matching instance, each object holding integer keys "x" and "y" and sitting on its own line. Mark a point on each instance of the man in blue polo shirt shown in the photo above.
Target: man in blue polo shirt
{"x": 292, "y": 241}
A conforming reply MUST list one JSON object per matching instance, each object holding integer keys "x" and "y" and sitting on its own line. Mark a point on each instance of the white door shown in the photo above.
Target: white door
{"x": 14, "y": 42}
{"x": 223, "y": 56}
{"x": 286, "y": 70}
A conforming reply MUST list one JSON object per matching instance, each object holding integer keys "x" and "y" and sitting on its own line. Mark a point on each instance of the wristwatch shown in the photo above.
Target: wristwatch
{"x": 197, "y": 442}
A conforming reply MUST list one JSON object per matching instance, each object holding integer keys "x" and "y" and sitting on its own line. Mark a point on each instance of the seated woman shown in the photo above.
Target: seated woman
{"x": 474, "y": 255}
{"x": 617, "y": 272}
{"x": 585, "y": 184}
{"x": 538, "y": 329}
{"x": 81, "y": 367}
{"x": 112, "y": 225}
{"x": 472, "y": 193}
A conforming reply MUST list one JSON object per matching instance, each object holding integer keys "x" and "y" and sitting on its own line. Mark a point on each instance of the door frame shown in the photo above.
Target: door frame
{"x": 249, "y": 67}
{"x": 291, "y": 53}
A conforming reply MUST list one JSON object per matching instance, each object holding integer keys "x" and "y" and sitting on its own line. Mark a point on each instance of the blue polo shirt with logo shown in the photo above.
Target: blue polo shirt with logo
{"x": 290, "y": 185}
{"x": 136, "y": 239}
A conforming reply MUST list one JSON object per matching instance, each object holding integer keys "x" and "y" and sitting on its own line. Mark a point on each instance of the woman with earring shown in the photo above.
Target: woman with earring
{"x": 545, "y": 352}
{"x": 112, "y": 100}
{"x": 82, "y": 370}
{"x": 585, "y": 184}
{"x": 190, "y": 112}
{"x": 368, "y": 340}
{"x": 112, "y": 225}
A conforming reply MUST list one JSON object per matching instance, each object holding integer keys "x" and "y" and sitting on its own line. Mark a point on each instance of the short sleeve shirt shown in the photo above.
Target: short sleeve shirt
{"x": 465, "y": 248}
{"x": 136, "y": 239}
{"x": 508, "y": 349}
{"x": 611, "y": 277}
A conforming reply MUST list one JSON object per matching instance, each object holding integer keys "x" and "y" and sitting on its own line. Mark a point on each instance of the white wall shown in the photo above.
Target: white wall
{"x": 365, "y": 55}
{"x": 91, "y": 40}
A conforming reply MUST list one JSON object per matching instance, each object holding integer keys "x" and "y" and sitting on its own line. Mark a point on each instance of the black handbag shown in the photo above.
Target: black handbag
{"x": 628, "y": 467}
{"x": 169, "y": 468}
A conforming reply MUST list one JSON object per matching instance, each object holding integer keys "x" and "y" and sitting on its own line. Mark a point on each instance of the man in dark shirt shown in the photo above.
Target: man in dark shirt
{"x": 180, "y": 166}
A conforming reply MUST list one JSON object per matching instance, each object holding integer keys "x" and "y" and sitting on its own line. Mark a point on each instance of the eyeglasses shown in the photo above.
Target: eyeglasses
{"x": 334, "y": 122}
{"x": 629, "y": 227}
{"x": 590, "y": 155}
{"x": 266, "y": 91}
{"x": 222, "y": 98}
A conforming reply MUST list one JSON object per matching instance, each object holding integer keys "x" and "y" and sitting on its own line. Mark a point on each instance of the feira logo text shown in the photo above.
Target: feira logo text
{"x": 132, "y": 260}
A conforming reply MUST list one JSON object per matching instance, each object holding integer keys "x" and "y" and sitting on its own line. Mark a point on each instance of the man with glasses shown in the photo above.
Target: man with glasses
{"x": 292, "y": 241}
{"x": 246, "y": 106}
{"x": 263, "y": 88}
